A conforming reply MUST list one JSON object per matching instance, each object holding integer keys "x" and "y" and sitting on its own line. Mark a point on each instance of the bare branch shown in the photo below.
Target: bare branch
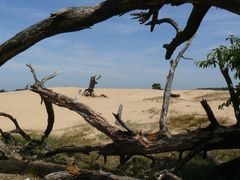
{"x": 6, "y": 153}
{"x": 75, "y": 149}
{"x": 194, "y": 21}
{"x": 98, "y": 77}
{"x": 43, "y": 80}
{"x": 33, "y": 73}
{"x": 201, "y": 146}
{"x": 79, "y": 18}
{"x": 86, "y": 174}
{"x": 51, "y": 118}
{"x": 187, "y": 58}
{"x": 166, "y": 20}
{"x": 119, "y": 120}
{"x": 168, "y": 87}
{"x": 83, "y": 110}
{"x": 145, "y": 16}
{"x": 48, "y": 105}
{"x": 18, "y": 128}
{"x": 213, "y": 121}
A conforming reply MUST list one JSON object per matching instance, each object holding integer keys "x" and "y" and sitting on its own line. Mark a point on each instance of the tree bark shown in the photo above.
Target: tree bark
{"x": 233, "y": 95}
{"x": 86, "y": 175}
{"x": 14, "y": 166}
{"x": 93, "y": 81}
{"x": 146, "y": 143}
{"x": 86, "y": 112}
{"x": 18, "y": 128}
{"x": 168, "y": 87}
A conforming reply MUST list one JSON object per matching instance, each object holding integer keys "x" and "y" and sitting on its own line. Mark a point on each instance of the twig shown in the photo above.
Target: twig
{"x": 166, "y": 20}
{"x": 43, "y": 80}
{"x": 187, "y": 58}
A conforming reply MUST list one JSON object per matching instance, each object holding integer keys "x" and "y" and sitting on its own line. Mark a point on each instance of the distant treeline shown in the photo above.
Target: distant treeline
{"x": 213, "y": 88}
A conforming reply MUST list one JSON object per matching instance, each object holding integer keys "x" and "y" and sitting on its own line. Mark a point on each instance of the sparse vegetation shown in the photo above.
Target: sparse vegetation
{"x": 141, "y": 154}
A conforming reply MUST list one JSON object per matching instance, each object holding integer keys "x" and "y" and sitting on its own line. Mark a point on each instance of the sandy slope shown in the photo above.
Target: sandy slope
{"x": 139, "y": 106}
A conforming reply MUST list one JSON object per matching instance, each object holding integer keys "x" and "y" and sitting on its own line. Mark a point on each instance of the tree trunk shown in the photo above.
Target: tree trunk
{"x": 93, "y": 81}
{"x": 168, "y": 87}
{"x": 233, "y": 95}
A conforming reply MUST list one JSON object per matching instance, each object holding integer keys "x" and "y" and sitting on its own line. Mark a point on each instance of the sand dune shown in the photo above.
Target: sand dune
{"x": 139, "y": 106}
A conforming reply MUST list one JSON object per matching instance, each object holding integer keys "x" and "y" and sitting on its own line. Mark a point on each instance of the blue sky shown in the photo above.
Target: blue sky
{"x": 124, "y": 52}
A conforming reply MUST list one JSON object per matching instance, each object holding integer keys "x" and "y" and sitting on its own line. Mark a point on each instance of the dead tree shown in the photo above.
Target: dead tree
{"x": 173, "y": 66}
{"x": 124, "y": 143}
{"x": 127, "y": 143}
{"x": 168, "y": 87}
{"x": 93, "y": 81}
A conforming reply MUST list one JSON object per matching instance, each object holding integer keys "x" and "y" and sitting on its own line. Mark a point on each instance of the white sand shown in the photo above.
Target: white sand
{"x": 139, "y": 106}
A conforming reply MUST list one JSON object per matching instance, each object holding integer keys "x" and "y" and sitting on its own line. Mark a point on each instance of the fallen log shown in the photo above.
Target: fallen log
{"x": 85, "y": 175}
{"x": 146, "y": 143}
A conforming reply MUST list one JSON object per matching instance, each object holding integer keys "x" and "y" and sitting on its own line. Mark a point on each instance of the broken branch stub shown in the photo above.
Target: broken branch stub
{"x": 119, "y": 120}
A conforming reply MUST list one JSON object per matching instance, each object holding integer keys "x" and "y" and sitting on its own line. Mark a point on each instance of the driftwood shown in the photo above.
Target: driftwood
{"x": 175, "y": 95}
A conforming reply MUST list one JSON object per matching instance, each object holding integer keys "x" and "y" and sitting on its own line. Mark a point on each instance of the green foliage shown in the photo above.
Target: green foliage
{"x": 225, "y": 57}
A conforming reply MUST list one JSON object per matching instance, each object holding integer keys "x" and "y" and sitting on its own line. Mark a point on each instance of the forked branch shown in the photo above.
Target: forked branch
{"x": 48, "y": 105}
{"x": 194, "y": 21}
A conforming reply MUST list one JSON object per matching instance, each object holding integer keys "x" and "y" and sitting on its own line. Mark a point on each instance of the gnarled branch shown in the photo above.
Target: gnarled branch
{"x": 48, "y": 105}
{"x": 194, "y": 21}
{"x": 18, "y": 128}
{"x": 79, "y": 18}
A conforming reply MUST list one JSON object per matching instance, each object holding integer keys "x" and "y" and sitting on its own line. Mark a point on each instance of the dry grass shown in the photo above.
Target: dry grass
{"x": 219, "y": 96}
{"x": 157, "y": 99}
